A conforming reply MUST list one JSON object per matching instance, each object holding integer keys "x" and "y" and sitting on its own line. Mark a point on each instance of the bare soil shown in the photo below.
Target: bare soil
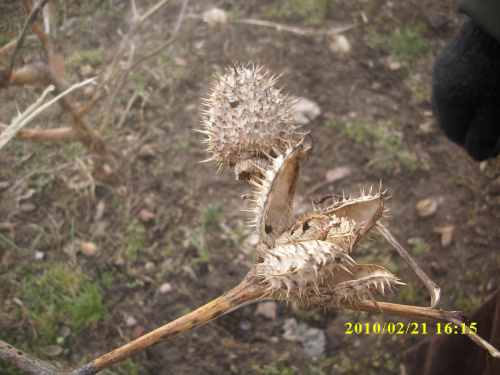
{"x": 159, "y": 152}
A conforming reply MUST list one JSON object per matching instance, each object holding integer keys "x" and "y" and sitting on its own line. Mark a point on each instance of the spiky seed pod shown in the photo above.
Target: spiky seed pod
{"x": 247, "y": 117}
{"x": 319, "y": 272}
{"x": 275, "y": 193}
{"x": 308, "y": 260}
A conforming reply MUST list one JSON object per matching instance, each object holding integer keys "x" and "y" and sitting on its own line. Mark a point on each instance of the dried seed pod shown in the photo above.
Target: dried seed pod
{"x": 364, "y": 211}
{"x": 274, "y": 194}
{"x": 319, "y": 272}
{"x": 247, "y": 117}
{"x": 342, "y": 223}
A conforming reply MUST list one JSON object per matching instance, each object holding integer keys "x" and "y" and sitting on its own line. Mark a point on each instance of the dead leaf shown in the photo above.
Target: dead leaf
{"x": 138, "y": 332}
{"x": 427, "y": 207}
{"x": 52, "y": 350}
{"x": 446, "y": 234}
{"x": 145, "y": 215}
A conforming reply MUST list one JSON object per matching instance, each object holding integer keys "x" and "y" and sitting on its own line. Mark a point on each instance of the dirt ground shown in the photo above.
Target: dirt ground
{"x": 164, "y": 220}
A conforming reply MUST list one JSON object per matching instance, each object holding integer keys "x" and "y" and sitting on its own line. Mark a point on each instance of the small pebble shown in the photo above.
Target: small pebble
{"x": 39, "y": 255}
{"x": 130, "y": 321}
{"x": 266, "y": 309}
{"x": 120, "y": 262}
{"x": 65, "y": 331}
{"x": 165, "y": 288}
{"x": 245, "y": 325}
{"x": 340, "y": 45}
{"x": 27, "y": 207}
{"x": 89, "y": 249}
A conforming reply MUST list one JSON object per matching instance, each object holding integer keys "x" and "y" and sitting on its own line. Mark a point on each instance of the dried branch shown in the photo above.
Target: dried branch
{"x": 122, "y": 80}
{"x": 34, "y": 110}
{"x": 52, "y": 56}
{"x": 20, "y": 40}
{"x": 50, "y": 135}
{"x": 26, "y": 362}
{"x": 433, "y": 289}
{"x": 304, "y": 31}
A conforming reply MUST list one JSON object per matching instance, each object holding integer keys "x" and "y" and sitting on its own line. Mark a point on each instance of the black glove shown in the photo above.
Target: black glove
{"x": 466, "y": 91}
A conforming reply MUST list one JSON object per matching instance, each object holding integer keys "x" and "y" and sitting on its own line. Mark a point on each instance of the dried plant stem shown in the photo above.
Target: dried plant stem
{"x": 34, "y": 110}
{"x": 65, "y": 134}
{"x": 415, "y": 312}
{"x": 304, "y": 31}
{"x": 249, "y": 291}
{"x": 425, "y": 313}
{"x": 26, "y": 362}
{"x": 431, "y": 286}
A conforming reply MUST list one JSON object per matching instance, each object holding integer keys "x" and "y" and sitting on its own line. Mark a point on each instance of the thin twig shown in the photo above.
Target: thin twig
{"x": 431, "y": 286}
{"x": 296, "y": 30}
{"x": 153, "y": 9}
{"x": 20, "y": 40}
{"x": 66, "y": 134}
{"x": 304, "y": 31}
{"x": 120, "y": 84}
{"x": 26, "y": 362}
{"x": 35, "y": 109}
{"x": 127, "y": 109}
{"x": 17, "y": 125}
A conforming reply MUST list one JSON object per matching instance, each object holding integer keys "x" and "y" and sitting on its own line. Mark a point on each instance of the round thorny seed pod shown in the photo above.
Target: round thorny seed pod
{"x": 247, "y": 118}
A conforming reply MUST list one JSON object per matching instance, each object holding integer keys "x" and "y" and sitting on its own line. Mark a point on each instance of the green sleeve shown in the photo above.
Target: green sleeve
{"x": 485, "y": 13}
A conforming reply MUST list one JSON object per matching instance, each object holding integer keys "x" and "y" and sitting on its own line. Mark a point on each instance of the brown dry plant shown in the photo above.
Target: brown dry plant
{"x": 307, "y": 260}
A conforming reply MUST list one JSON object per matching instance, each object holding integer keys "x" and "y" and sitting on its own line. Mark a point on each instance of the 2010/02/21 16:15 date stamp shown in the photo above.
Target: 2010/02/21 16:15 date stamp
{"x": 409, "y": 328}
